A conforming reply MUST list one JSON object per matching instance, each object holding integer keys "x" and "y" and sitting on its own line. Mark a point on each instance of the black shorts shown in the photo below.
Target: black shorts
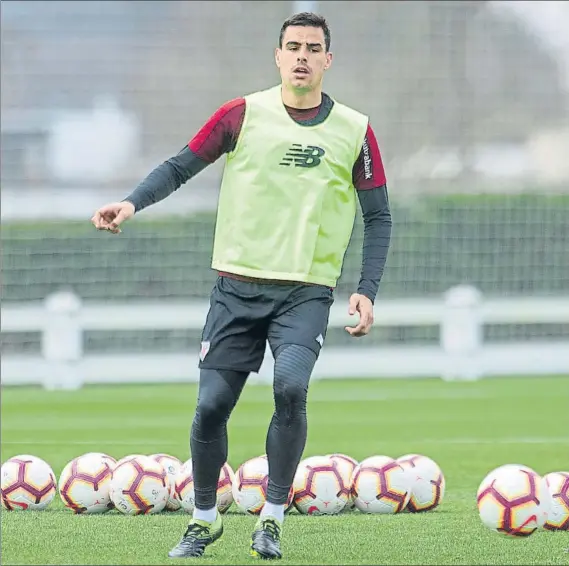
{"x": 243, "y": 315}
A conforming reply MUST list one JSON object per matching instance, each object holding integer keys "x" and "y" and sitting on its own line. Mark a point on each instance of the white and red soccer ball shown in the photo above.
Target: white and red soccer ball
{"x": 84, "y": 484}
{"x": 106, "y": 458}
{"x": 139, "y": 486}
{"x": 184, "y": 488}
{"x": 127, "y": 458}
{"x": 321, "y": 487}
{"x": 513, "y": 500}
{"x": 250, "y": 486}
{"x": 428, "y": 482}
{"x": 346, "y": 464}
{"x": 381, "y": 485}
{"x": 27, "y": 482}
{"x": 172, "y": 467}
{"x": 558, "y": 485}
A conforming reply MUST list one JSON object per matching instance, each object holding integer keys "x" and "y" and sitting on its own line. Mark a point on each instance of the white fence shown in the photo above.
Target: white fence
{"x": 461, "y": 354}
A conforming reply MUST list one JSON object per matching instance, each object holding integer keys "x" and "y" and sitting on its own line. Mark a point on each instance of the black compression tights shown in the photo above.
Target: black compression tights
{"x": 219, "y": 391}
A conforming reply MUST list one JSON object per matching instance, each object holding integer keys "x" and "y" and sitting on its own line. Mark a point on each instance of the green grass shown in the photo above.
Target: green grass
{"x": 468, "y": 428}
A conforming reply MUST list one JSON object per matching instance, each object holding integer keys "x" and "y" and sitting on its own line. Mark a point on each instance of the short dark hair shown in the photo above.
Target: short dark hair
{"x": 307, "y": 19}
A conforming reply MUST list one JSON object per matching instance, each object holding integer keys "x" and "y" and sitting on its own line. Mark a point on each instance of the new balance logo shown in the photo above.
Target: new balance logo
{"x": 300, "y": 157}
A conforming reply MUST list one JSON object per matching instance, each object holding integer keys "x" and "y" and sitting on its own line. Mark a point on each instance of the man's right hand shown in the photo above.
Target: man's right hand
{"x": 111, "y": 216}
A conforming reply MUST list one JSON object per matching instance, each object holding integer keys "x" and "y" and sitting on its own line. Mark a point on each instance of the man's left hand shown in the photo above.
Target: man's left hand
{"x": 362, "y": 305}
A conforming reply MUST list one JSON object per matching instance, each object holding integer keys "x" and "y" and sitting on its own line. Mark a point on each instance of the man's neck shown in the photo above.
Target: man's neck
{"x": 301, "y": 101}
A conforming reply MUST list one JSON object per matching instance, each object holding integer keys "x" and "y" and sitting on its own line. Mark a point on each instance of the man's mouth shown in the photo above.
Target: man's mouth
{"x": 300, "y": 71}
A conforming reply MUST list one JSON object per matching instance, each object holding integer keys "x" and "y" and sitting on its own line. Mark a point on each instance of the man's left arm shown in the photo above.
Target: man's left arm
{"x": 371, "y": 186}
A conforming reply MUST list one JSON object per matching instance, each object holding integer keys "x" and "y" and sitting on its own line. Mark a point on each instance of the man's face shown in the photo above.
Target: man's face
{"x": 303, "y": 59}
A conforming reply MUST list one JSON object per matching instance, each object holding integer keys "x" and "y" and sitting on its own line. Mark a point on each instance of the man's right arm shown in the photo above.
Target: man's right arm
{"x": 216, "y": 137}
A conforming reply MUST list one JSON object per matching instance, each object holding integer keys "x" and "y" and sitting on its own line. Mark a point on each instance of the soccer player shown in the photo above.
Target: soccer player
{"x": 296, "y": 159}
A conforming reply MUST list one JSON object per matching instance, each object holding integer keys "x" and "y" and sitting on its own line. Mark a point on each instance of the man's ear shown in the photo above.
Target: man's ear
{"x": 278, "y": 57}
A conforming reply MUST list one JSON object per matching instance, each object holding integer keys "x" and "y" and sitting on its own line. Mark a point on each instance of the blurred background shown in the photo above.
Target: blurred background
{"x": 469, "y": 101}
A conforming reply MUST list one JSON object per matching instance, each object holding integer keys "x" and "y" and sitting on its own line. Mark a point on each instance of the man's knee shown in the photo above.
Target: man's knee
{"x": 216, "y": 400}
{"x": 293, "y": 368}
{"x": 210, "y": 412}
{"x": 287, "y": 394}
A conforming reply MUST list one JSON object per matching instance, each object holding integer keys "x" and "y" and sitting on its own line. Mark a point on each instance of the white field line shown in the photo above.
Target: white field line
{"x": 363, "y": 396}
{"x": 366, "y": 396}
{"x": 259, "y": 395}
{"x": 512, "y": 440}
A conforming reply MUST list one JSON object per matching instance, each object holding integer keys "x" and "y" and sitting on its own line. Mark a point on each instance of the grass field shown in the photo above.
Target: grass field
{"x": 468, "y": 428}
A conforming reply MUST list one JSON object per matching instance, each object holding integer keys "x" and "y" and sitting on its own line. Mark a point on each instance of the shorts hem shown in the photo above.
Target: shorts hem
{"x": 227, "y": 367}
{"x": 314, "y": 349}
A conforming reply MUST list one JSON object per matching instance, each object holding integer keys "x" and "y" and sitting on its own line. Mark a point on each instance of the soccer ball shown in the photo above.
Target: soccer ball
{"x": 127, "y": 459}
{"x": 320, "y": 488}
{"x": 380, "y": 485}
{"x": 513, "y": 500}
{"x": 309, "y": 459}
{"x": 172, "y": 466}
{"x": 108, "y": 459}
{"x": 139, "y": 486}
{"x": 250, "y": 486}
{"x": 428, "y": 482}
{"x": 346, "y": 465}
{"x": 225, "y": 488}
{"x": 184, "y": 488}
{"x": 558, "y": 486}
{"x": 84, "y": 484}
{"x": 27, "y": 483}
